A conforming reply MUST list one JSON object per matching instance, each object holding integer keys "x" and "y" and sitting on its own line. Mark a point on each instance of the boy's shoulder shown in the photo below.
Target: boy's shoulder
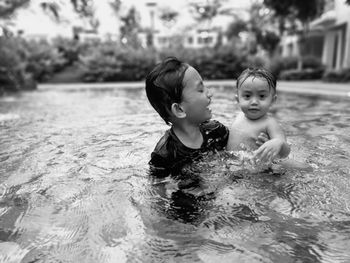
{"x": 212, "y": 125}
{"x": 161, "y": 146}
{"x": 215, "y": 134}
{"x": 169, "y": 143}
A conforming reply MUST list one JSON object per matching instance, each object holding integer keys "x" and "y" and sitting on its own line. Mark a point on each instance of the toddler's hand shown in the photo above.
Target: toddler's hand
{"x": 268, "y": 151}
{"x": 262, "y": 138}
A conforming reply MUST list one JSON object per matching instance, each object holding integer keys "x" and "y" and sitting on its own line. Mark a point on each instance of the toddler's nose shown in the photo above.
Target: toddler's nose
{"x": 209, "y": 93}
{"x": 254, "y": 101}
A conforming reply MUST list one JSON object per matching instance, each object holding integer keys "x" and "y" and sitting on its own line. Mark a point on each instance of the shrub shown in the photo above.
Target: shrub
{"x": 109, "y": 62}
{"x": 13, "y": 75}
{"x": 115, "y": 63}
{"x": 222, "y": 63}
{"x": 43, "y": 60}
{"x": 24, "y": 62}
{"x": 279, "y": 64}
{"x": 337, "y": 75}
{"x": 304, "y": 74}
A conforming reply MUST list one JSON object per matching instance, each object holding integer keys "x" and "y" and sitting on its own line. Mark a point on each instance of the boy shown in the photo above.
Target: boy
{"x": 176, "y": 91}
{"x": 256, "y": 92}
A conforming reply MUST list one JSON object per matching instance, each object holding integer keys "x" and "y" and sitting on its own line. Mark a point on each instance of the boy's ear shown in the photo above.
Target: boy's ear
{"x": 236, "y": 97}
{"x": 178, "y": 111}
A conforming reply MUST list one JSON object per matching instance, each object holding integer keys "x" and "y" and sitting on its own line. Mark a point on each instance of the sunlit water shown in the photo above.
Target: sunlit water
{"x": 74, "y": 185}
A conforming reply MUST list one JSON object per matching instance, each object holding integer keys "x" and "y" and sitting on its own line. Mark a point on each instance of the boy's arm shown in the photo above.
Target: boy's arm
{"x": 158, "y": 166}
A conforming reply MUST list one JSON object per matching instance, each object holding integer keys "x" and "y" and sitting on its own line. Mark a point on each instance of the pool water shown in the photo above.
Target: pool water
{"x": 74, "y": 184}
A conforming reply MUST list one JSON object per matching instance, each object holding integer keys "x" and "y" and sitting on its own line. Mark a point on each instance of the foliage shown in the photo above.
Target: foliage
{"x": 255, "y": 62}
{"x": 42, "y": 60}
{"x": 13, "y": 74}
{"x": 304, "y": 74}
{"x": 129, "y": 28}
{"x": 69, "y": 49}
{"x": 278, "y": 64}
{"x": 291, "y": 10}
{"x": 236, "y": 27}
{"x": 268, "y": 40}
{"x": 337, "y": 75}
{"x": 109, "y": 62}
{"x": 212, "y": 63}
{"x": 168, "y": 16}
{"x": 207, "y": 10}
{"x": 259, "y": 29}
{"x": 8, "y": 8}
{"x": 84, "y": 8}
{"x": 112, "y": 63}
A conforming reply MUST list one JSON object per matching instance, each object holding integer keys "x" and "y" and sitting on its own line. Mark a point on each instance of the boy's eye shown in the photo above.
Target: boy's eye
{"x": 246, "y": 96}
{"x": 262, "y": 96}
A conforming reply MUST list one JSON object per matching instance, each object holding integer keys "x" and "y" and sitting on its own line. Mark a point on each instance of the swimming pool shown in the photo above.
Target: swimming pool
{"x": 74, "y": 185}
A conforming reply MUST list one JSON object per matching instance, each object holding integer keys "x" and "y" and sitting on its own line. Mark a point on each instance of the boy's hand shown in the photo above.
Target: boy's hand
{"x": 262, "y": 138}
{"x": 268, "y": 151}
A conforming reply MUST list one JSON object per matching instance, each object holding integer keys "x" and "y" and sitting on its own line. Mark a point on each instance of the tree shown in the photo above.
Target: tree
{"x": 130, "y": 24}
{"x": 292, "y": 10}
{"x": 168, "y": 16}
{"x": 84, "y": 8}
{"x": 8, "y": 8}
{"x": 259, "y": 29}
{"x": 206, "y": 11}
{"x": 236, "y": 27}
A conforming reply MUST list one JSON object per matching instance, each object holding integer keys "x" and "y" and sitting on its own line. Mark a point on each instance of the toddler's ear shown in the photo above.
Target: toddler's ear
{"x": 236, "y": 97}
{"x": 274, "y": 98}
{"x": 178, "y": 111}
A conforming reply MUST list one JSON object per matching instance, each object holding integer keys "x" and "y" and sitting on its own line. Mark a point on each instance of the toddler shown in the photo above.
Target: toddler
{"x": 256, "y": 92}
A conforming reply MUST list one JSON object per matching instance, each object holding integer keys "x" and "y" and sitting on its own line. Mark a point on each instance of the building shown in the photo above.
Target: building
{"x": 328, "y": 38}
{"x": 191, "y": 38}
{"x": 335, "y": 27}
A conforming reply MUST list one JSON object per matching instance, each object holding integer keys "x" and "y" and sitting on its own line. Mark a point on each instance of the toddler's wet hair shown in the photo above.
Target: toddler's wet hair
{"x": 260, "y": 73}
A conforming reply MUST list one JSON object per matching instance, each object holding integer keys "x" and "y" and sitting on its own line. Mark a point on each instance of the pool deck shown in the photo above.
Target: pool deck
{"x": 301, "y": 87}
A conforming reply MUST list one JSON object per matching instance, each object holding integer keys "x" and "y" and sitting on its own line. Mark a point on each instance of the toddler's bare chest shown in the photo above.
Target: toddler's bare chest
{"x": 247, "y": 134}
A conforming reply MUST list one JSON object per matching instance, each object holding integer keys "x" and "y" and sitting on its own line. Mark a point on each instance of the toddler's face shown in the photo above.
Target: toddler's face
{"x": 196, "y": 97}
{"x": 255, "y": 97}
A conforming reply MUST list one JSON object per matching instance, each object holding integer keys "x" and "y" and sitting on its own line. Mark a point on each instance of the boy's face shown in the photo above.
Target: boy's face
{"x": 255, "y": 97}
{"x": 196, "y": 97}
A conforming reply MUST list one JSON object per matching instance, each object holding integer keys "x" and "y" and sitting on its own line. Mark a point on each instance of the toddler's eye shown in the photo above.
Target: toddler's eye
{"x": 262, "y": 96}
{"x": 246, "y": 96}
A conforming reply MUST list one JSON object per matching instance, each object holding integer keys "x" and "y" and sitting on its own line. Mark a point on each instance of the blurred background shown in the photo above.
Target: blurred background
{"x": 70, "y": 41}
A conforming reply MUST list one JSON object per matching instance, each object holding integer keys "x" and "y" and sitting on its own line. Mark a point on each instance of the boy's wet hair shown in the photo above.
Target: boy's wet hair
{"x": 164, "y": 86}
{"x": 260, "y": 73}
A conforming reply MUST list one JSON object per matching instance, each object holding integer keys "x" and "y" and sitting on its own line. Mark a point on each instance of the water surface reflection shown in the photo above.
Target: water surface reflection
{"x": 75, "y": 188}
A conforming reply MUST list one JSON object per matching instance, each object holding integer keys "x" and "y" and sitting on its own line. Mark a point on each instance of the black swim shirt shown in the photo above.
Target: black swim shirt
{"x": 170, "y": 154}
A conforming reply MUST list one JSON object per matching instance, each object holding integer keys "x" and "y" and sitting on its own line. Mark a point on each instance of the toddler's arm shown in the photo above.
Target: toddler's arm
{"x": 277, "y": 146}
